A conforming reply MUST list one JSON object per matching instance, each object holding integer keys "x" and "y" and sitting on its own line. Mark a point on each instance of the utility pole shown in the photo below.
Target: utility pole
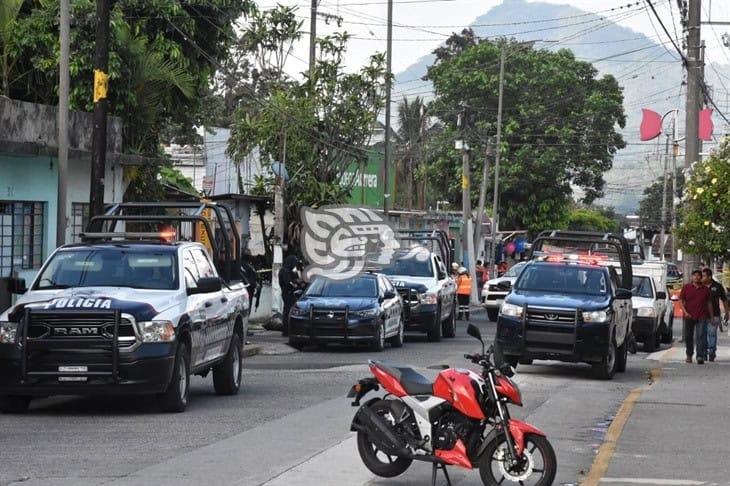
{"x": 465, "y": 183}
{"x": 101, "y": 83}
{"x": 694, "y": 103}
{"x": 312, "y": 40}
{"x": 388, "y": 82}
{"x": 482, "y": 197}
{"x": 63, "y": 88}
{"x": 497, "y": 158}
{"x": 662, "y": 234}
{"x": 675, "y": 152}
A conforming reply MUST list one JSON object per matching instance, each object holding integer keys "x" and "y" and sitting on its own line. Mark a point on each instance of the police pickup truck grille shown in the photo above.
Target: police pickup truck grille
{"x": 548, "y": 316}
{"x": 550, "y": 330}
{"x": 94, "y": 328}
{"x": 409, "y": 296}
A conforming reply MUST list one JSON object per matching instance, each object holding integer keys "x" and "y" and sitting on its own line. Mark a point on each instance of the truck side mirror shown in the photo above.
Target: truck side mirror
{"x": 623, "y": 294}
{"x": 17, "y": 286}
{"x": 661, "y": 296}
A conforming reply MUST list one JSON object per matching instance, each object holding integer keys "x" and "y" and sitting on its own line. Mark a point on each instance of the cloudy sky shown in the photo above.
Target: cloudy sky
{"x": 366, "y": 21}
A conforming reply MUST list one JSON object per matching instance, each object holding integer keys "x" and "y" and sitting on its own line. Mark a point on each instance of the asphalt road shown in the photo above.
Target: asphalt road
{"x": 289, "y": 425}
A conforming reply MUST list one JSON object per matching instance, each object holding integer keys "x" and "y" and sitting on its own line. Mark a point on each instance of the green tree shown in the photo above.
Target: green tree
{"x": 650, "y": 206}
{"x": 586, "y": 219}
{"x": 559, "y": 126}
{"x": 319, "y": 129}
{"x": 705, "y": 208}
{"x": 415, "y": 129}
{"x": 9, "y": 10}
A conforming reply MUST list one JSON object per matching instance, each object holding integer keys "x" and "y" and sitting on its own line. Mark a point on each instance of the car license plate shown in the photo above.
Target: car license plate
{"x": 72, "y": 378}
{"x": 73, "y": 369}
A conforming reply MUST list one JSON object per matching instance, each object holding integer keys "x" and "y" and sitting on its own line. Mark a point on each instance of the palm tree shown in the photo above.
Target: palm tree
{"x": 412, "y": 135}
{"x": 9, "y": 10}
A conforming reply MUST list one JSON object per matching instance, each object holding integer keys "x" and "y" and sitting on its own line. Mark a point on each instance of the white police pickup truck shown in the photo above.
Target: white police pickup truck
{"x": 126, "y": 313}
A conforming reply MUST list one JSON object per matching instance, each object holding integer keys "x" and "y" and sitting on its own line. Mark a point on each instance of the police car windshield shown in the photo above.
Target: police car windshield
{"x": 412, "y": 267}
{"x": 354, "y": 287}
{"x": 110, "y": 267}
{"x": 561, "y": 278}
{"x": 641, "y": 287}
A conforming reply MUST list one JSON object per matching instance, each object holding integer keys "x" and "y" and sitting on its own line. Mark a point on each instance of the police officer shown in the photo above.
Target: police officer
{"x": 288, "y": 282}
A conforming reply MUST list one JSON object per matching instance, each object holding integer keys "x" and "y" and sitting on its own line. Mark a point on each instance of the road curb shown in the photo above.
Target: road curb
{"x": 251, "y": 350}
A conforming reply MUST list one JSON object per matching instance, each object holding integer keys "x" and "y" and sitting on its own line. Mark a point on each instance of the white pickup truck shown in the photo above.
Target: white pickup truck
{"x": 653, "y": 314}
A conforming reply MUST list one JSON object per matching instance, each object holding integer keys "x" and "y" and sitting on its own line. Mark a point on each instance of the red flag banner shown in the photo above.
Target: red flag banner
{"x": 706, "y": 125}
{"x": 651, "y": 124}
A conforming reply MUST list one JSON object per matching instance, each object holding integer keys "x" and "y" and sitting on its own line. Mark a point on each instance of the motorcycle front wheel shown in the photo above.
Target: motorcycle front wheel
{"x": 537, "y": 466}
{"x": 377, "y": 461}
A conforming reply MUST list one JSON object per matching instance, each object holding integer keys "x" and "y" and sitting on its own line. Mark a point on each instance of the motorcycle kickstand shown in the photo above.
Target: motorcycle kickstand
{"x": 435, "y": 472}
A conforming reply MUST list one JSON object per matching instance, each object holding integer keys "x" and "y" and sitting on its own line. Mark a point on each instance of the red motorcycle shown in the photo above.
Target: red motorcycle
{"x": 461, "y": 419}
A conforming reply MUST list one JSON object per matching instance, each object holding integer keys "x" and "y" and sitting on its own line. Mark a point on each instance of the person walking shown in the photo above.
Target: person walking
{"x": 463, "y": 292}
{"x": 718, "y": 298}
{"x": 697, "y": 308}
{"x": 482, "y": 274}
{"x": 288, "y": 282}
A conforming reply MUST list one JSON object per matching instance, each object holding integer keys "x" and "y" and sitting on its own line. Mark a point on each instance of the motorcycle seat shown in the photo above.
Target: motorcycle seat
{"x": 412, "y": 381}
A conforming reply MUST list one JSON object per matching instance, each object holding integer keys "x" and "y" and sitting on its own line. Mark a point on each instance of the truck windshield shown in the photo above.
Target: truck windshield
{"x": 354, "y": 287}
{"x": 413, "y": 267}
{"x": 110, "y": 267}
{"x": 515, "y": 271}
{"x": 564, "y": 279}
{"x": 642, "y": 287}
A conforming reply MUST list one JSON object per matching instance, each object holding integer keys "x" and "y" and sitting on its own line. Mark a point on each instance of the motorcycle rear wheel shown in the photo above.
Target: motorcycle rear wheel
{"x": 540, "y": 471}
{"x": 377, "y": 461}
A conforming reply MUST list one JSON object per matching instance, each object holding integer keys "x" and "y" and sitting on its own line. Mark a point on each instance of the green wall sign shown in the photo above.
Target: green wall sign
{"x": 367, "y": 187}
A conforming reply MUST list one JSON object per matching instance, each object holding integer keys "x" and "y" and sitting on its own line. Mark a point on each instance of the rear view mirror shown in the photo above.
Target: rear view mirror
{"x": 623, "y": 294}
{"x": 661, "y": 295}
{"x": 206, "y": 285}
{"x": 389, "y": 294}
{"x": 17, "y": 286}
{"x": 474, "y": 332}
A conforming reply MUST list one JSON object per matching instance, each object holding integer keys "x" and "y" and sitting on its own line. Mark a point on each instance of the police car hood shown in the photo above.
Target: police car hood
{"x": 142, "y": 304}
{"x": 637, "y": 302}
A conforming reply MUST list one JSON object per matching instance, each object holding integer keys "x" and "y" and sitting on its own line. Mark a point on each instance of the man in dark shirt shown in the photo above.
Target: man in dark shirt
{"x": 718, "y": 298}
{"x": 697, "y": 308}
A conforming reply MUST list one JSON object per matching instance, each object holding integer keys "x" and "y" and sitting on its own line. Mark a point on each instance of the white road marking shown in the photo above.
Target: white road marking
{"x": 664, "y": 482}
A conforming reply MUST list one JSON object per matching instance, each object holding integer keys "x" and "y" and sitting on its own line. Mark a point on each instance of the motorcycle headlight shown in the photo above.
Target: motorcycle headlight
{"x": 374, "y": 312}
{"x": 595, "y": 316}
{"x": 156, "y": 331}
{"x": 8, "y": 332}
{"x": 428, "y": 298}
{"x": 646, "y": 312}
{"x": 298, "y": 311}
{"x": 511, "y": 310}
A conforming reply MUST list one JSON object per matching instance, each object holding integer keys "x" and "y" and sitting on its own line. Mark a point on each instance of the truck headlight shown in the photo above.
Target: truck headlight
{"x": 8, "y": 332}
{"x": 645, "y": 312}
{"x": 428, "y": 298}
{"x": 367, "y": 312}
{"x": 595, "y": 316}
{"x": 511, "y": 310}
{"x": 297, "y": 311}
{"x": 156, "y": 331}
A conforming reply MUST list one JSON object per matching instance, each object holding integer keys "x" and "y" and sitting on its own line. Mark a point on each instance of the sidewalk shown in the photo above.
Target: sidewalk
{"x": 678, "y": 431}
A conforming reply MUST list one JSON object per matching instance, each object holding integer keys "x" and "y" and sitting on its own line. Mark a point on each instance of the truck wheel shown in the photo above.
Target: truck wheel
{"x": 175, "y": 398}
{"x": 434, "y": 333}
{"x": 606, "y": 368}
{"x": 650, "y": 342}
{"x": 668, "y": 335}
{"x": 449, "y": 325}
{"x": 622, "y": 355}
{"x": 492, "y": 313}
{"x": 14, "y": 404}
{"x": 227, "y": 375}
{"x": 296, "y": 343}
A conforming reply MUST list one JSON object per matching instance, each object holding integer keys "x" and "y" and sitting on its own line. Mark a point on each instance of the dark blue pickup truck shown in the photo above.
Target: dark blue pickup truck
{"x": 570, "y": 304}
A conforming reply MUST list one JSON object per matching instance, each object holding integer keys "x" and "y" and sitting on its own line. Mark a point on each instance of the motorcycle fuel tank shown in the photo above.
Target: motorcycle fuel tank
{"x": 455, "y": 386}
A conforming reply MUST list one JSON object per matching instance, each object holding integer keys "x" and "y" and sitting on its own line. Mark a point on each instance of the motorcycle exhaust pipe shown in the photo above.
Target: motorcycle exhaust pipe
{"x": 380, "y": 433}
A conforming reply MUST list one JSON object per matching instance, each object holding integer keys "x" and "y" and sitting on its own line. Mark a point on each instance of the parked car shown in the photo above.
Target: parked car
{"x": 365, "y": 309}
{"x": 653, "y": 315}
{"x": 495, "y": 290}
{"x": 428, "y": 292}
{"x": 571, "y": 307}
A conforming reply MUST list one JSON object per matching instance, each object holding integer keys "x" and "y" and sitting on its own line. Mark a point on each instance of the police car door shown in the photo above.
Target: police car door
{"x": 195, "y": 309}
{"x": 391, "y": 307}
{"x": 217, "y": 324}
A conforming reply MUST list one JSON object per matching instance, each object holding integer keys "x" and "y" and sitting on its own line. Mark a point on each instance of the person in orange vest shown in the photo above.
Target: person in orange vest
{"x": 463, "y": 292}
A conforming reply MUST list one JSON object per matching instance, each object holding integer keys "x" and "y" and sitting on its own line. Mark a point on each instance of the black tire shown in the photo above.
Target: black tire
{"x": 525, "y": 361}
{"x": 606, "y": 368}
{"x": 397, "y": 340}
{"x": 296, "y": 343}
{"x": 651, "y": 341}
{"x": 449, "y": 325}
{"x": 533, "y": 443}
{"x": 513, "y": 360}
{"x": 622, "y": 355}
{"x": 369, "y": 453}
{"x": 379, "y": 338}
{"x": 492, "y": 314}
{"x": 434, "y": 333}
{"x": 668, "y": 334}
{"x": 227, "y": 375}
{"x": 175, "y": 398}
{"x": 14, "y": 404}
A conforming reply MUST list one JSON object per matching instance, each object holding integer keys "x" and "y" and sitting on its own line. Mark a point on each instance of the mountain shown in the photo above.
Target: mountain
{"x": 649, "y": 73}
